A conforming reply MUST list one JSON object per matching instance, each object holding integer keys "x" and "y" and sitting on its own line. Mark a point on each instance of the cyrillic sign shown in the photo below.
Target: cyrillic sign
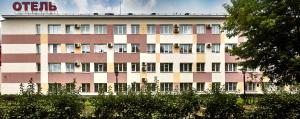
{"x": 34, "y": 6}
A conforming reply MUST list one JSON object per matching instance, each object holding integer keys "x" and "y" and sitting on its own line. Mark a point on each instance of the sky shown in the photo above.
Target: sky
{"x": 127, "y": 6}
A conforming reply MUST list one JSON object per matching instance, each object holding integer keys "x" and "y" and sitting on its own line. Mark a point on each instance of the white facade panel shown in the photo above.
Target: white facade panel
{"x": 18, "y": 48}
{"x": 100, "y": 77}
{"x": 120, "y": 39}
{"x": 19, "y": 67}
{"x": 165, "y": 77}
{"x": 151, "y": 39}
{"x": 186, "y": 77}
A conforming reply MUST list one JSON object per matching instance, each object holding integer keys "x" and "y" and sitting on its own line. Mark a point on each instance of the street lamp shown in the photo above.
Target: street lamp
{"x": 116, "y": 74}
{"x": 244, "y": 78}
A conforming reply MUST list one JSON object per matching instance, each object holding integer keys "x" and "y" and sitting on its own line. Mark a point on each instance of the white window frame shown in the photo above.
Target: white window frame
{"x": 135, "y": 48}
{"x": 85, "y": 28}
{"x": 186, "y": 86}
{"x": 70, "y": 67}
{"x": 135, "y": 29}
{"x": 54, "y": 28}
{"x": 230, "y": 86}
{"x": 164, "y": 87}
{"x": 54, "y": 67}
{"x": 215, "y": 29}
{"x": 54, "y": 48}
{"x": 85, "y": 87}
{"x": 120, "y": 67}
{"x": 186, "y": 28}
{"x": 230, "y": 67}
{"x": 166, "y": 29}
{"x": 120, "y": 48}
{"x": 250, "y": 86}
{"x": 166, "y": 67}
{"x": 38, "y": 48}
{"x": 166, "y": 48}
{"x": 100, "y": 48}
{"x": 200, "y": 66}
{"x": 135, "y": 87}
{"x": 186, "y": 67}
{"x": 151, "y": 48}
{"x": 215, "y": 48}
{"x": 100, "y": 67}
{"x": 120, "y": 29}
{"x": 135, "y": 67}
{"x": 185, "y": 48}
{"x": 85, "y": 67}
{"x": 151, "y": 67}
{"x": 85, "y": 48}
{"x": 215, "y": 67}
{"x": 120, "y": 87}
{"x": 70, "y": 48}
{"x": 100, "y": 87}
{"x": 38, "y": 28}
{"x": 100, "y": 29}
{"x": 200, "y": 48}
{"x": 151, "y": 29}
{"x": 200, "y": 28}
{"x": 70, "y": 28}
{"x": 200, "y": 86}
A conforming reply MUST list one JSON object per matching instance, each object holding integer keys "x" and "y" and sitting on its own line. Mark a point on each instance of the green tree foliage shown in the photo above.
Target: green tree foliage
{"x": 272, "y": 29}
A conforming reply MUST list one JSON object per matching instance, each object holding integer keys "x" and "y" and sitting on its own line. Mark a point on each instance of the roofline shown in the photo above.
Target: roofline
{"x": 115, "y": 16}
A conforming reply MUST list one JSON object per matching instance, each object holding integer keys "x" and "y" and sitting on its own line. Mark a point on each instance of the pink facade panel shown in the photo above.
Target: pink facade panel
{"x": 19, "y": 58}
{"x": 89, "y": 57}
{"x": 121, "y": 78}
{"x": 140, "y": 39}
{"x": 126, "y": 57}
{"x": 20, "y": 77}
{"x": 208, "y": 37}
{"x": 238, "y": 76}
{"x": 202, "y": 77}
{"x": 80, "y": 38}
{"x": 230, "y": 58}
{"x": 20, "y": 39}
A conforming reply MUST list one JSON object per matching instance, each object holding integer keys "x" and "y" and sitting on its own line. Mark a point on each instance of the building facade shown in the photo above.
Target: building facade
{"x": 121, "y": 52}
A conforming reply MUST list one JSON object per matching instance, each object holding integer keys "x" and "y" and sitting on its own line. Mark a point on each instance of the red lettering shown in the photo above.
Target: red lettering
{"x": 17, "y": 6}
{"x": 52, "y": 7}
{"x": 34, "y": 6}
{"x": 25, "y": 4}
{"x": 43, "y": 6}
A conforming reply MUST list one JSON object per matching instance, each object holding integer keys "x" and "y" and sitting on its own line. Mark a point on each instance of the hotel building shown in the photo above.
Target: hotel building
{"x": 121, "y": 52}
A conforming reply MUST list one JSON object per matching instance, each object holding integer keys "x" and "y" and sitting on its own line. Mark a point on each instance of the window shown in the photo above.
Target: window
{"x": 100, "y": 67}
{"x": 53, "y": 29}
{"x": 85, "y": 87}
{"x": 250, "y": 86}
{"x": 38, "y": 67}
{"x": 85, "y": 29}
{"x": 119, "y": 29}
{"x": 230, "y": 86}
{"x": 186, "y": 29}
{"x": 135, "y": 87}
{"x": 120, "y": 48}
{"x": 151, "y": 67}
{"x": 120, "y": 67}
{"x": 53, "y": 48}
{"x": 251, "y": 69}
{"x": 135, "y": 48}
{"x": 85, "y": 48}
{"x": 229, "y": 47}
{"x": 135, "y": 67}
{"x": 185, "y": 67}
{"x": 215, "y": 67}
{"x": 120, "y": 87}
{"x": 100, "y": 48}
{"x": 100, "y": 29}
{"x": 215, "y": 29}
{"x": 151, "y": 29}
{"x": 166, "y": 86}
{"x": 135, "y": 29}
{"x": 70, "y": 87}
{"x": 54, "y": 87}
{"x": 70, "y": 67}
{"x": 186, "y": 48}
{"x": 38, "y": 48}
{"x": 216, "y": 86}
{"x": 54, "y": 67}
{"x": 70, "y": 29}
{"x": 166, "y": 48}
{"x": 200, "y": 67}
{"x": 70, "y": 48}
{"x": 200, "y": 86}
{"x": 166, "y": 29}
{"x": 100, "y": 87}
{"x": 150, "y": 48}
{"x": 85, "y": 67}
{"x": 215, "y": 48}
{"x": 230, "y": 67}
{"x": 200, "y": 48}
{"x": 200, "y": 29}
{"x": 38, "y": 28}
{"x": 166, "y": 67}
{"x": 185, "y": 86}
{"x": 151, "y": 86}
{"x": 267, "y": 86}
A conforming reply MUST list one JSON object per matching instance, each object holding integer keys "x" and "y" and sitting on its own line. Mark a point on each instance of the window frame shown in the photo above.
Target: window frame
{"x": 85, "y": 28}
{"x": 186, "y": 29}
{"x": 198, "y": 30}
{"x": 122, "y": 46}
{"x": 186, "y": 67}
{"x": 70, "y": 67}
{"x": 200, "y": 48}
{"x": 122, "y": 65}
{"x": 168, "y": 66}
{"x": 135, "y": 29}
{"x": 166, "y": 48}
{"x": 215, "y": 67}
{"x": 135, "y": 48}
{"x": 200, "y": 67}
{"x": 85, "y": 67}
{"x": 135, "y": 67}
{"x": 153, "y": 29}
{"x": 151, "y": 48}
{"x": 100, "y": 29}
{"x": 52, "y": 68}
{"x": 98, "y": 69}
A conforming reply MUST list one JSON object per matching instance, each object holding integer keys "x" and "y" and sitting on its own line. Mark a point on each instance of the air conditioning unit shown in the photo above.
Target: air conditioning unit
{"x": 144, "y": 63}
{"x": 109, "y": 14}
{"x": 77, "y": 64}
{"x": 77, "y": 26}
{"x": 144, "y": 68}
{"x": 208, "y": 45}
{"x": 208, "y": 26}
{"x": 226, "y": 49}
{"x": 95, "y": 14}
{"x": 153, "y": 13}
{"x": 187, "y": 14}
{"x": 109, "y": 45}
{"x": 77, "y": 45}
{"x": 176, "y": 45}
{"x": 130, "y": 13}
{"x": 144, "y": 80}
{"x": 176, "y": 29}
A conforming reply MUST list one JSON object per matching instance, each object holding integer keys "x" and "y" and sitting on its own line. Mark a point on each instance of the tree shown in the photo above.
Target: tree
{"x": 272, "y": 30}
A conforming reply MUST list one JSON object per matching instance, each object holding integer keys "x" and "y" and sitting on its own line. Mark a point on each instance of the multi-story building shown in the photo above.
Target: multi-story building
{"x": 172, "y": 52}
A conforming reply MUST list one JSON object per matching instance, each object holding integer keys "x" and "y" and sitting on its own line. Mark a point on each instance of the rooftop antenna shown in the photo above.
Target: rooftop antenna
{"x": 120, "y": 7}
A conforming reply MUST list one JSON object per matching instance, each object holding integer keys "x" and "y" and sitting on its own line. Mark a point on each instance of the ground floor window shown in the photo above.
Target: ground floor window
{"x": 100, "y": 87}
{"x": 166, "y": 86}
{"x": 200, "y": 86}
{"x": 85, "y": 87}
{"x": 120, "y": 87}
{"x": 185, "y": 86}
